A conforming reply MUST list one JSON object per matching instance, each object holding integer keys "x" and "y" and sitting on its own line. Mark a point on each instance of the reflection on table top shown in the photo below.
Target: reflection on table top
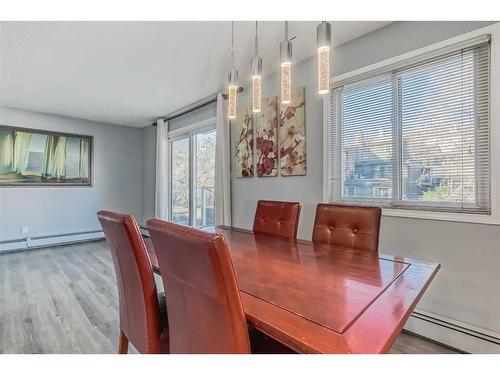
{"x": 318, "y": 298}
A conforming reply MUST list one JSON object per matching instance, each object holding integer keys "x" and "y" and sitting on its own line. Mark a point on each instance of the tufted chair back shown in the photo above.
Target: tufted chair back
{"x": 355, "y": 227}
{"x": 277, "y": 218}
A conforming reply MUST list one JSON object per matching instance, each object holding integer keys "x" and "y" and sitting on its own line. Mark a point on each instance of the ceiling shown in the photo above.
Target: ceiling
{"x": 130, "y": 73}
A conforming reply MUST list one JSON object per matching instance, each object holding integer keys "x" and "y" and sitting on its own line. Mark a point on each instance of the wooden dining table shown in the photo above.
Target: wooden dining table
{"x": 320, "y": 298}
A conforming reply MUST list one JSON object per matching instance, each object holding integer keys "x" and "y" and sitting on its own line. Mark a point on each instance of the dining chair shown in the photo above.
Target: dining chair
{"x": 277, "y": 218}
{"x": 205, "y": 312}
{"x": 355, "y": 227}
{"x": 143, "y": 320}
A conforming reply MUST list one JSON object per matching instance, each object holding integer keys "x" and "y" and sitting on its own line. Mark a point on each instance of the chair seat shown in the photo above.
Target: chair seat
{"x": 263, "y": 344}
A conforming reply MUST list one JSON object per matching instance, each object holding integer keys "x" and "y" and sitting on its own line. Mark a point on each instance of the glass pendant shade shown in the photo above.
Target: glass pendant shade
{"x": 232, "y": 90}
{"x": 286, "y": 71}
{"x": 256, "y": 84}
{"x": 323, "y": 43}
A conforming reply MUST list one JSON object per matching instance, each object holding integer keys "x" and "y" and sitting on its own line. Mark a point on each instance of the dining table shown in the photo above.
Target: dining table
{"x": 319, "y": 298}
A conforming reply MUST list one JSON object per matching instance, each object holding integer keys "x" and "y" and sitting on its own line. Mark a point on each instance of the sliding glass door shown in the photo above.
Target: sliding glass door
{"x": 180, "y": 181}
{"x": 192, "y": 162}
{"x": 204, "y": 165}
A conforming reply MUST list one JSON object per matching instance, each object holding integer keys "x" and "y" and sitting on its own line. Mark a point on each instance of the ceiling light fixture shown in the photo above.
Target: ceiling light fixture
{"x": 324, "y": 46}
{"x": 232, "y": 81}
{"x": 286, "y": 68}
{"x": 256, "y": 75}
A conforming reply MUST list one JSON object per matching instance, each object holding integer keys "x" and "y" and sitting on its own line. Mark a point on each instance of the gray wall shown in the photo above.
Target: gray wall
{"x": 306, "y": 189}
{"x": 55, "y": 210}
{"x": 395, "y": 39}
{"x": 467, "y": 287}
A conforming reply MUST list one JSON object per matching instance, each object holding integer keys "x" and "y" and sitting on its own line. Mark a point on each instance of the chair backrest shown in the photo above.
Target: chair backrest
{"x": 205, "y": 314}
{"x": 355, "y": 227}
{"x": 138, "y": 298}
{"x": 277, "y": 218}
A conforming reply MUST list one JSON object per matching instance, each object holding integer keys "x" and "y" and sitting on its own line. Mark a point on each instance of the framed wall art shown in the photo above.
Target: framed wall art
{"x": 43, "y": 158}
{"x": 243, "y": 143}
{"x": 292, "y": 135}
{"x": 266, "y": 141}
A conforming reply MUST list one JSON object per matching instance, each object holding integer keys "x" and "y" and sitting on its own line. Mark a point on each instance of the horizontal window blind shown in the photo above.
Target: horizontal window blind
{"x": 416, "y": 137}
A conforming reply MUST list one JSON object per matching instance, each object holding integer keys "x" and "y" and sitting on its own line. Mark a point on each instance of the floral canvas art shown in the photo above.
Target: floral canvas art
{"x": 266, "y": 143}
{"x": 292, "y": 135}
{"x": 243, "y": 150}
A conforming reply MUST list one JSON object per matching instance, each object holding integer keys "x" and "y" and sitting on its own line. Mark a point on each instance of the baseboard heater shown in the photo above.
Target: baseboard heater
{"x": 452, "y": 333}
{"x": 29, "y": 243}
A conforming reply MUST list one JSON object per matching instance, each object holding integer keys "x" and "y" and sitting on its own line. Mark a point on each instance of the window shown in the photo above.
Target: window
{"x": 192, "y": 169}
{"x": 415, "y": 136}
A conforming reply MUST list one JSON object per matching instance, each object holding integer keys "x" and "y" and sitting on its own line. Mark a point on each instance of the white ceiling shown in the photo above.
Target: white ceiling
{"x": 129, "y": 73}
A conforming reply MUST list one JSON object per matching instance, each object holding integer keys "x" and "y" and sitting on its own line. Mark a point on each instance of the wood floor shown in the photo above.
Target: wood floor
{"x": 64, "y": 300}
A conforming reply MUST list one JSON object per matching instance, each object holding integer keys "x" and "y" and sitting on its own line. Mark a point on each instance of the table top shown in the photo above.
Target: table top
{"x": 323, "y": 299}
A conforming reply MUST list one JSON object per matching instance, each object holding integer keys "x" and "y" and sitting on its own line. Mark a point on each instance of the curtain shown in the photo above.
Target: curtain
{"x": 59, "y": 168}
{"x": 222, "y": 166}
{"x": 54, "y": 162}
{"x": 21, "y": 145}
{"x": 48, "y": 155}
{"x": 6, "y": 151}
{"x": 84, "y": 158}
{"x": 162, "y": 151}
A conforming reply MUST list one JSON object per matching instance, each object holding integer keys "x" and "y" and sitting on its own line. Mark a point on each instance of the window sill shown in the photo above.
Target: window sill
{"x": 442, "y": 216}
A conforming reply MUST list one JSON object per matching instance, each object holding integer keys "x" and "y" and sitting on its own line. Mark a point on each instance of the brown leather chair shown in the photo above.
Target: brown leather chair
{"x": 277, "y": 218}
{"x": 205, "y": 310}
{"x": 355, "y": 227}
{"x": 142, "y": 320}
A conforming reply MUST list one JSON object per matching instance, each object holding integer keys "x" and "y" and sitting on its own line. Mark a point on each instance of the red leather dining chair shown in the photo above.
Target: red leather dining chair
{"x": 143, "y": 319}
{"x": 277, "y": 218}
{"x": 355, "y": 227}
{"x": 205, "y": 312}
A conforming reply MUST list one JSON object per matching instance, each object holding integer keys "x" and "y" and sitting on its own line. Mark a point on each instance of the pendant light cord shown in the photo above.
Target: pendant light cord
{"x": 256, "y": 39}
{"x": 232, "y": 44}
{"x": 286, "y": 30}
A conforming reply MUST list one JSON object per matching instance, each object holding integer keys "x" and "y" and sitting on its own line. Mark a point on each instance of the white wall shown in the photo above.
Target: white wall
{"x": 58, "y": 210}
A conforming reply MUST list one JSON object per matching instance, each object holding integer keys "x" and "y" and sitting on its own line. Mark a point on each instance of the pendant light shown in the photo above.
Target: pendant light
{"x": 323, "y": 45}
{"x": 286, "y": 68}
{"x": 256, "y": 75}
{"x": 232, "y": 81}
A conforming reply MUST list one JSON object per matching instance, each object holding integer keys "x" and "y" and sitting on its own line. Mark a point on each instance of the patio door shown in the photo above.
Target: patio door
{"x": 192, "y": 166}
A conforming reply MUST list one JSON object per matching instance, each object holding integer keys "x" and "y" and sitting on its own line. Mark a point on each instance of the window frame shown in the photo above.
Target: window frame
{"x": 494, "y": 216}
{"x": 189, "y": 132}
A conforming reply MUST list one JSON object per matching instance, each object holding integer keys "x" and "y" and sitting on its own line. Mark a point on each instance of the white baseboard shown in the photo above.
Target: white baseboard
{"x": 52, "y": 240}
{"x": 459, "y": 335}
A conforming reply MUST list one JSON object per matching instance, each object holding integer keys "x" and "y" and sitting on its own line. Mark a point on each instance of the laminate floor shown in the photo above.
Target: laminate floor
{"x": 64, "y": 300}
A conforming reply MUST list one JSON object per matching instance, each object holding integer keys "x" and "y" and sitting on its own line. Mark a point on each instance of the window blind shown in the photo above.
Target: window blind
{"x": 417, "y": 136}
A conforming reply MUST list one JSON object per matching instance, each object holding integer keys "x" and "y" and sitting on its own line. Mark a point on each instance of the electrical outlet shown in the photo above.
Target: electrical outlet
{"x": 24, "y": 231}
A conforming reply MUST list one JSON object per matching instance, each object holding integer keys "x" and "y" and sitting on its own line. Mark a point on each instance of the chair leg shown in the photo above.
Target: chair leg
{"x": 123, "y": 345}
